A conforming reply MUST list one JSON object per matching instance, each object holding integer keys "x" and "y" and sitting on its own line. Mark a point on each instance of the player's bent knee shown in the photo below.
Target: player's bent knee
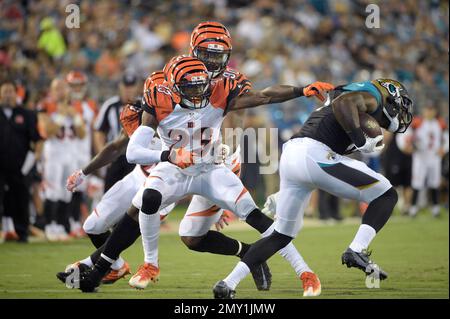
{"x": 151, "y": 201}
{"x": 95, "y": 225}
{"x": 193, "y": 243}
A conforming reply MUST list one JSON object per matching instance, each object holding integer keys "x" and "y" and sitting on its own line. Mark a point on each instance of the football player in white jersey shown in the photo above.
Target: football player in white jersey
{"x": 117, "y": 199}
{"x": 61, "y": 125}
{"x": 211, "y": 44}
{"x": 428, "y": 144}
{"x": 114, "y": 203}
{"x": 188, "y": 114}
{"x": 87, "y": 108}
{"x": 315, "y": 158}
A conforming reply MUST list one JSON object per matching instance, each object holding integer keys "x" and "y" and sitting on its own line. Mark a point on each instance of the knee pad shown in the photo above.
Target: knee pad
{"x": 151, "y": 201}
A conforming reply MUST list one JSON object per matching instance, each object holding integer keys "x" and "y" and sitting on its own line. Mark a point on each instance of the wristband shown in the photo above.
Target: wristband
{"x": 298, "y": 91}
{"x": 357, "y": 136}
{"x": 165, "y": 156}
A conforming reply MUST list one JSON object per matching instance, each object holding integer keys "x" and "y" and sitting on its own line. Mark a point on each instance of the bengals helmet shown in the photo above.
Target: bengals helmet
{"x": 211, "y": 44}
{"x": 154, "y": 79}
{"x": 77, "y": 81}
{"x": 188, "y": 77}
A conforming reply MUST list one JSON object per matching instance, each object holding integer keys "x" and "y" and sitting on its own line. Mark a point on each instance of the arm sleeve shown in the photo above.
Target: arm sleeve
{"x": 138, "y": 151}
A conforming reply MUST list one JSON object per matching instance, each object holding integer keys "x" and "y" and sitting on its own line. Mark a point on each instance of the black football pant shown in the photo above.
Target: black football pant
{"x": 15, "y": 199}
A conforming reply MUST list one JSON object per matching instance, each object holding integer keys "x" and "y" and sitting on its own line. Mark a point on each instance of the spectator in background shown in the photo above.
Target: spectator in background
{"x": 51, "y": 39}
{"x": 61, "y": 125}
{"x": 428, "y": 141}
{"x": 87, "y": 108}
{"x": 18, "y": 132}
{"x": 397, "y": 166}
{"x": 107, "y": 125}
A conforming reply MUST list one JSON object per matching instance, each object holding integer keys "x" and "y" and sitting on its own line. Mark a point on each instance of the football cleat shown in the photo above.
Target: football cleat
{"x": 262, "y": 276}
{"x": 311, "y": 284}
{"x": 10, "y": 236}
{"x": 222, "y": 291}
{"x": 361, "y": 261}
{"x": 145, "y": 274}
{"x": 63, "y": 275}
{"x": 90, "y": 280}
{"x": 115, "y": 275}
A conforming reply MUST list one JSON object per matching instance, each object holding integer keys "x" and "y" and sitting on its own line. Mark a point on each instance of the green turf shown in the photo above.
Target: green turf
{"x": 413, "y": 252}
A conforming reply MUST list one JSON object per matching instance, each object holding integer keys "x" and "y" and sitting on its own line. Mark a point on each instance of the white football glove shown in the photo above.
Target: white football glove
{"x": 270, "y": 206}
{"x": 371, "y": 144}
{"x": 75, "y": 180}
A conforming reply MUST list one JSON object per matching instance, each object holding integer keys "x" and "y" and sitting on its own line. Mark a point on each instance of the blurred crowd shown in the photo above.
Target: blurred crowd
{"x": 288, "y": 42}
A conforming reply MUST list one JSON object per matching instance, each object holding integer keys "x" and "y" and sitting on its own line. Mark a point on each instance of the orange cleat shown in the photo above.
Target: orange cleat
{"x": 146, "y": 273}
{"x": 311, "y": 284}
{"x": 11, "y": 236}
{"x": 115, "y": 275}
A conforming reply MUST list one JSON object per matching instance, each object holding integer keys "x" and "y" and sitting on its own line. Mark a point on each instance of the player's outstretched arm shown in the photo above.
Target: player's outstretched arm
{"x": 278, "y": 94}
{"x": 107, "y": 155}
{"x": 346, "y": 108}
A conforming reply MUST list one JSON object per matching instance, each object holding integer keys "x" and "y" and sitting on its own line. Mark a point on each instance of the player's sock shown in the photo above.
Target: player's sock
{"x": 123, "y": 236}
{"x": 118, "y": 264}
{"x": 149, "y": 225}
{"x": 291, "y": 254}
{"x": 413, "y": 210}
{"x": 239, "y": 272}
{"x": 380, "y": 209}
{"x": 435, "y": 200}
{"x": 96, "y": 254}
{"x": 7, "y": 224}
{"x": 259, "y": 221}
{"x": 259, "y": 252}
{"x": 215, "y": 242}
{"x": 63, "y": 215}
{"x": 99, "y": 239}
{"x": 87, "y": 261}
{"x": 363, "y": 238}
{"x": 435, "y": 210}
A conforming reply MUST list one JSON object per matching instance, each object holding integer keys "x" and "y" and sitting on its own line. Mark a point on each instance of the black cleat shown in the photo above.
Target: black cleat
{"x": 361, "y": 261}
{"x": 90, "y": 280}
{"x": 64, "y": 275}
{"x": 222, "y": 291}
{"x": 262, "y": 276}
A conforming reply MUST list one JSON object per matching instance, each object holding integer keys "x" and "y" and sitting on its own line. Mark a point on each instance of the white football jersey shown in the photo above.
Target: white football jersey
{"x": 428, "y": 135}
{"x": 195, "y": 130}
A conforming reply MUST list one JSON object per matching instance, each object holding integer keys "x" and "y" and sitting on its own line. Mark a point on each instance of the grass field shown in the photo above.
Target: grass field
{"x": 415, "y": 253}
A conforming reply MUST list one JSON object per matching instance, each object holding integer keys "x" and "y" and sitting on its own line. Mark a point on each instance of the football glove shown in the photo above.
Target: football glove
{"x": 181, "y": 158}
{"x": 316, "y": 89}
{"x": 371, "y": 144}
{"x": 75, "y": 180}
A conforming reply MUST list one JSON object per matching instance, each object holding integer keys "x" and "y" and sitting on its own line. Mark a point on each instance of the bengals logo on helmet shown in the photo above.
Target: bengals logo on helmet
{"x": 211, "y": 44}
